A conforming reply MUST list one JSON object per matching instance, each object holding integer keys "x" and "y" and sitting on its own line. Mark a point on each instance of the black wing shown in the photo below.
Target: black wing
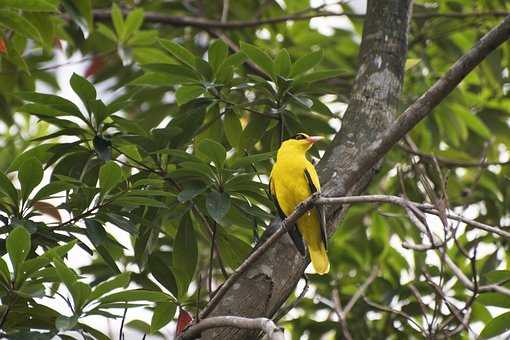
{"x": 294, "y": 233}
{"x": 320, "y": 212}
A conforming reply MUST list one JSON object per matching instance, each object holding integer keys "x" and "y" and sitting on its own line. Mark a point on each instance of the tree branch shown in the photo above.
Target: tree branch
{"x": 205, "y": 23}
{"x": 272, "y": 331}
{"x": 341, "y": 314}
{"x": 425, "y": 104}
{"x": 361, "y": 290}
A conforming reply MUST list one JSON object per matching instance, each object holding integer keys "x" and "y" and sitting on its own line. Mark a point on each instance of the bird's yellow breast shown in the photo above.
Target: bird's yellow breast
{"x": 289, "y": 182}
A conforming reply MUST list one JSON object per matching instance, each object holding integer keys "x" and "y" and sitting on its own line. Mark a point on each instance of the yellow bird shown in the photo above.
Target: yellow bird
{"x": 293, "y": 179}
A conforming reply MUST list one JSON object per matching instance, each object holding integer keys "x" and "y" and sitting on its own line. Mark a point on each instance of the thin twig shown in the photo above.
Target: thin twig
{"x": 396, "y": 312}
{"x": 341, "y": 314}
{"x": 361, "y": 290}
{"x": 283, "y": 311}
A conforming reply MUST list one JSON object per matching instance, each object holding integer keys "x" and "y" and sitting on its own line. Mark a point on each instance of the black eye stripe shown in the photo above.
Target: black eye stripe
{"x": 299, "y": 136}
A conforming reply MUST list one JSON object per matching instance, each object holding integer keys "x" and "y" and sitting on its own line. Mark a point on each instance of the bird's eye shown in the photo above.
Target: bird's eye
{"x": 299, "y": 136}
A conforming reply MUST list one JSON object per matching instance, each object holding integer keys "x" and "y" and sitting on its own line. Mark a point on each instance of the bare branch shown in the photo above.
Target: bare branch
{"x": 341, "y": 314}
{"x": 266, "y": 325}
{"x": 424, "y": 207}
{"x": 396, "y": 312}
{"x": 205, "y": 23}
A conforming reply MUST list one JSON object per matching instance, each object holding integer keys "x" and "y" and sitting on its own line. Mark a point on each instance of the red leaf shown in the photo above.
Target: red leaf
{"x": 3, "y": 46}
{"x": 47, "y": 209}
{"x": 183, "y": 321}
{"x": 95, "y": 66}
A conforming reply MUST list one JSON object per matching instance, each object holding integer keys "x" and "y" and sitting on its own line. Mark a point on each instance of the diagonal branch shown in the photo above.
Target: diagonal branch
{"x": 424, "y": 105}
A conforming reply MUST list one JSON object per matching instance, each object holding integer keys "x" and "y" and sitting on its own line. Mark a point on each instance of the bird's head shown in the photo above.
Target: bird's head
{"x": 300, "y": 142}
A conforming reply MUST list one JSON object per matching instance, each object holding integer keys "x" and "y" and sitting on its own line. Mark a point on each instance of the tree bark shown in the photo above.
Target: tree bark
{"x": 262, "y": 290}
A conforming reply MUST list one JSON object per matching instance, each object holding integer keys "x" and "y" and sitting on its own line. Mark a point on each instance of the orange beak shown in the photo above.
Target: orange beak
{"x": 314, "y": 139}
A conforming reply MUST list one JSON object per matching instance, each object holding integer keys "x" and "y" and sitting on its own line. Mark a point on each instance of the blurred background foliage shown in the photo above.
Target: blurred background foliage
{"x": 171, "y": 142}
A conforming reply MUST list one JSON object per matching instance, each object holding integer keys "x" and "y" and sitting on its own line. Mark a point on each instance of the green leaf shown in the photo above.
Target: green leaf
{"x": 253, "y": 132}
{"x": 217, "y": 53}
{"x": 122, "y": 222}
{"x": 30, "y": 175}
{"x": 159, "y": 266}
{"x": 118, "y": 21}
{"x": 217, "y": 205}
{"x": 51, "y": 189}
{"x": 84, "y": 8}
{"x": 163, "y": 314}
{"x": 85, "y": 90}
{"x": 204, "y": 68}
{"x": 185, "y": 255}
{"x": 95, "y": 232}
{"x": 259, "y": 57}
{"x": 156, "y": 79}
{"x": 64, "y": 323}
{"x": 305, "y": 63}
{"x": 213, "y": 151}
{"x": 52, "y": 101}
{"x": 188, "y": 92}
{"x": 18, "y": 246}
{"x": 81, "y": 293}
{"x": 107, "y": 32}
{"x": 144, "y": 38}
{"x": 5, "y": 275}
{"x": 251, "y": 159}
{"x": 110, "y": 175}
{"x": 494, "y": 299}
{"x": 101, "y": 289}
{"x": 137, "y": 201}
{"x": 178, "y": 52}
{"x": 30, "y": 5}
{"x": 133, "y": 22}
{"x": 233, "y": 61}
{"x": 474, "y": 123}
{"x": 32, "y": 265}
{"x": 283, "y": 63}
{"x": 190, "y": 191}
{"x": 233, "y": 128}
{"x": 411, "y": 63}
{"x": 496, "y": 326}
{"x": 19, "y": 24}
{"x": 233, "y": 250}
{"x": 107, "y": 257}
{"x": 179, "y": 73}
{"x": 318, "y": 75}
{"x": 41, "y": 152}
{"x": 94, "y": 332}
{"x": 137, "y": 295}
{"x": 8, "y": 189}
{"x": 68, "y": 277}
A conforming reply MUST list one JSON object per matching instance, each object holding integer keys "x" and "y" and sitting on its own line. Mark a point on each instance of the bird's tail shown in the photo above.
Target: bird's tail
{"x": 319, "y": 258}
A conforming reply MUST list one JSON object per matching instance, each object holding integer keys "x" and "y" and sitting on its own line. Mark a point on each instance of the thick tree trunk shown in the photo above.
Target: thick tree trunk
{"x": 262, "y": 290}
